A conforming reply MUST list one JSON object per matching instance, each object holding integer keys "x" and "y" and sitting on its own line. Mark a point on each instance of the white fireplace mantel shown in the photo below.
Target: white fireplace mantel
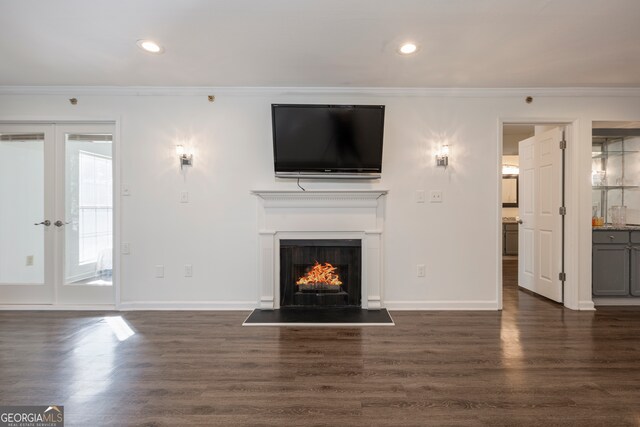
{"x": 336, "y": 214}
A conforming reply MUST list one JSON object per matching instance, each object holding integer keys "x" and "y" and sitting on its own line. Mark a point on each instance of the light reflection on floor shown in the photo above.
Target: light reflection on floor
{"x": 119, "y": 327}
{"x": 94, "y": 358}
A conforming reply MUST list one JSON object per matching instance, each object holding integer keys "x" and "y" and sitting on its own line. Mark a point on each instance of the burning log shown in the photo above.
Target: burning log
{"x": 321, "y": 276}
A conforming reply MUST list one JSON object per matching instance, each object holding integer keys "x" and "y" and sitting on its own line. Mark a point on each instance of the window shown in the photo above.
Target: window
{"x": 95, "y": 206}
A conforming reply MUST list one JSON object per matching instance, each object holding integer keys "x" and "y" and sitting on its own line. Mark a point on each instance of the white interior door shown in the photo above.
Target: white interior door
{"x": 26, "y": 214}
{"x": 56, "y": 214}
{"x": 540, "y": 231}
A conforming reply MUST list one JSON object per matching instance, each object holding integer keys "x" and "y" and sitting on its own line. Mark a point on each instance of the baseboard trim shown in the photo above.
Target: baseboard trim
{"x": 59, "y": 307}
{"x": 250, "y": 305}
{"x": 586, "y": 306}
{"x": 187, "y": 305}
{"x": 442, "y": 305}
{"x": 618, "y": 302}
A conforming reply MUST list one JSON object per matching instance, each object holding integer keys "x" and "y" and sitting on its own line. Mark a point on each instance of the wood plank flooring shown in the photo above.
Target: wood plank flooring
{"x": 535, "y": 363}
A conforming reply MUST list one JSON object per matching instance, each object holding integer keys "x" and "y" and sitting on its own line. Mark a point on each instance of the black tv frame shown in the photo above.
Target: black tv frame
{"x": 371, "y": 173}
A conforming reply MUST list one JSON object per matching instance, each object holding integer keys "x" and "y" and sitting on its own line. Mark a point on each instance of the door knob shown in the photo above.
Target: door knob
{"x": 520, "y": 221}
{"x": 46, "y": 223}
{"x": 59, "y": 223}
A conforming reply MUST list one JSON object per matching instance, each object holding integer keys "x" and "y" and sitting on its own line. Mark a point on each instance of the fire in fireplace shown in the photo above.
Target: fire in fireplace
{"x": 320, "y": 273}
{"x": 321, "y": 277}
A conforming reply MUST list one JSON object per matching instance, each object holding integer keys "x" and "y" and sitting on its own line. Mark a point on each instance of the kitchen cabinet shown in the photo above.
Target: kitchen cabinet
{"x": 616, "y": 263}
{"x": 610, "y": 159}
{"x": 635, "y": 263}
{"x": 509, "y": 239}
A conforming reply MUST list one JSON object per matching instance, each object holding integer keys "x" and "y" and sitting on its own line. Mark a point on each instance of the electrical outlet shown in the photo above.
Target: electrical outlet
{"x": 421, "y": 270}
{"x": 29, "y": 260}
{"x": 184, "y": 197}
{"x": 188, "y": 270}
{"x": 126, "y": 248}
{"x": 420, "y": 197}
{"x": 436, "y": 196}
{"x": 159, "y": 271}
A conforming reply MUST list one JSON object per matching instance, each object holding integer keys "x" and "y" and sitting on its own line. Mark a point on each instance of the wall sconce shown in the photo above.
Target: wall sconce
{"x": 442, "y": 157}
{"x": 510, "y": 169}
{"x": 185, "y": 159}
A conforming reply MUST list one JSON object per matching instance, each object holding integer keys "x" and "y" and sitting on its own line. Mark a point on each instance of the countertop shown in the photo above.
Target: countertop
{"x": 631, "y": 227}
{"x": 509, "y": 220}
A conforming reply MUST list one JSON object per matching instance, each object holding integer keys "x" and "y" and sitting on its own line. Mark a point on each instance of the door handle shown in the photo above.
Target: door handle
{"x": 59, "y": 223}
{"x": 520, "y": 221}
{"x": 46, "y": 223}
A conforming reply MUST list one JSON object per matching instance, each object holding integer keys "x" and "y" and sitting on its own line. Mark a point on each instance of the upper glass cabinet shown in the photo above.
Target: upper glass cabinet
{"x": 615, "y": 168}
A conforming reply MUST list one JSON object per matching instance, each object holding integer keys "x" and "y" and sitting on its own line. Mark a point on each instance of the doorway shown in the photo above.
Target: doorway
{"x": 57, "y": 221}
{"x": 532, "y": 214}
{"x": 512, "y": 134}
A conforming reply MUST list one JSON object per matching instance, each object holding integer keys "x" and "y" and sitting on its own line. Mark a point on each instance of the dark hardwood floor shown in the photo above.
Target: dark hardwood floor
{"x": 535, "y": 363}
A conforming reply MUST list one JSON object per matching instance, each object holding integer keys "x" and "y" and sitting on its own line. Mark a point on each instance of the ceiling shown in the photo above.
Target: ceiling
{"x": 336, "y": 43}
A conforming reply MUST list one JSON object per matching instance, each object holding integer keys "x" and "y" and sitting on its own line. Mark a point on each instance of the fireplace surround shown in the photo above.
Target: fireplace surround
{"x": 355, "y": 215}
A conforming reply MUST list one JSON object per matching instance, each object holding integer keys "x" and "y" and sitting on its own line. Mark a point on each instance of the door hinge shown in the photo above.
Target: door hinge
{"x": 562, "y": 210}
{"x": 562, "y": 276}
{"x": 563, "y": 144}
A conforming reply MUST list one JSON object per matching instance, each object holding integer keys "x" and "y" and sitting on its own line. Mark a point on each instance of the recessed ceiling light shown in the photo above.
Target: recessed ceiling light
{"x": 150, "y": 46}
{"x": 408, "y": 48}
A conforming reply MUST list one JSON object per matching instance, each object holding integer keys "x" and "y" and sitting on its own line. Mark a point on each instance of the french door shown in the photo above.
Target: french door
{"x": 56, "y": 214}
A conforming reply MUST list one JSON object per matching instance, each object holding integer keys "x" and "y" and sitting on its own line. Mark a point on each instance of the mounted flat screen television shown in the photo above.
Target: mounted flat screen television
{"x": 327, "y": 141}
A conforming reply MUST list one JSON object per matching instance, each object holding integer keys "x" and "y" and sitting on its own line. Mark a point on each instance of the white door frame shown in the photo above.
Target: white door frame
{"x": 572, "y": 190}
{"x": 117, "y": 211}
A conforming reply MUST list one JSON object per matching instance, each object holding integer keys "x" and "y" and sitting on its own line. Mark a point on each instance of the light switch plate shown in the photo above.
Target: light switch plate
{"x": 188, "y": 270}
{"x": 125, "y": 191}
{"x": 184, "y": 197}
{"x": 126, "y": 248}
{"x": 159, "y": 271}
{"x": 420, "y": 270}
{"x": 420, "y": 196}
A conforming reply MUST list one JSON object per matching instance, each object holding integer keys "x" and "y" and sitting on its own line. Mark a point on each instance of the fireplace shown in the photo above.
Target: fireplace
{"x": 356, "y": 215}
{"x": 321, "y": 273}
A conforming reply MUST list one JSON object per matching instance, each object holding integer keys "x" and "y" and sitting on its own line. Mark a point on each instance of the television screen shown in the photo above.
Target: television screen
{"x": 327, "y": 139}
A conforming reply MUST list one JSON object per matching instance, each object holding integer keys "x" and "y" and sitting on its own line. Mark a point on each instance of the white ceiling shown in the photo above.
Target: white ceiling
{"x": 351, "y": 43}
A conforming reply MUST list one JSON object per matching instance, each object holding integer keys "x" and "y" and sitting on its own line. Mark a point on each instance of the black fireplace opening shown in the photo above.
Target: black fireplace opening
{"x": 321, "y": 273}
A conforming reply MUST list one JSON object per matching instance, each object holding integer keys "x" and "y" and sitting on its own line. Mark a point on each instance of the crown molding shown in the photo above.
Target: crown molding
{"x": 283, "y": 91}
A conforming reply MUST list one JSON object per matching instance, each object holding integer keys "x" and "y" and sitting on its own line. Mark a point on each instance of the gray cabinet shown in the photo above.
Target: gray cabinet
{"x": 610, "y": 270}
{"x": 616, "y": 263}
{"x": 635, "y": 270}
{"x": 510, "y": 239}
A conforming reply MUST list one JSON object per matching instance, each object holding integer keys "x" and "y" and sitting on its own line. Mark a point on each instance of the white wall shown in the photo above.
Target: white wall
{"x": 510, "y": 141}
{"x": 231, "y": 139}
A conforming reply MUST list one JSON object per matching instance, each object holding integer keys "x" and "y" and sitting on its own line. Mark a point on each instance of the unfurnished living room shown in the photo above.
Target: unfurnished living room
{"x": 319, "y": 212}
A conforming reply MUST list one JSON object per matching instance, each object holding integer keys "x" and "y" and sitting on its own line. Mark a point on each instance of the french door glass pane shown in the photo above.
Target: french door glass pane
{"x": 89, "y": 209}
{"x": 21, "y": 206}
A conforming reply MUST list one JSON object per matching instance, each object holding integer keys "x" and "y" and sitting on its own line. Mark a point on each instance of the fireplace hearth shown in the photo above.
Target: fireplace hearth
{"x": 320, "y": 273}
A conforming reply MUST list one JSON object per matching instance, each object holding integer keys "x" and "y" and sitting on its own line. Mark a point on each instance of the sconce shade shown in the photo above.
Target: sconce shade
{"x": 442, "y": 158}
{"x": 185, "y": 159}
